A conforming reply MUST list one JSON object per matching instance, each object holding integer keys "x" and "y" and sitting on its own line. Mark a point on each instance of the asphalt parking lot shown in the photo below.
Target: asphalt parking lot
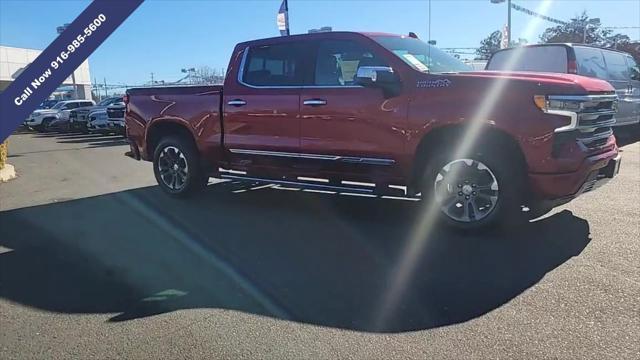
{"x": 95, "y": 262}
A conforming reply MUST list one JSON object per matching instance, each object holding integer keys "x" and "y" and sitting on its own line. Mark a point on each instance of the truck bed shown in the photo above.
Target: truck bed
{"x": 196, "y": 108}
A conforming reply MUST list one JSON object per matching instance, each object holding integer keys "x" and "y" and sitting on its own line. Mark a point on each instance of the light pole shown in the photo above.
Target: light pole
{"x": 60, "y": 30}
{"x": 190, "y": 72}
{"x": 508, "y": 18}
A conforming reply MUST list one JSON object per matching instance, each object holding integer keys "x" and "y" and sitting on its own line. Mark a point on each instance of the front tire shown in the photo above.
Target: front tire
{"x": 479, "y": 190}
{"x": 176, "y": 166}
{"x": 44, "y": 126}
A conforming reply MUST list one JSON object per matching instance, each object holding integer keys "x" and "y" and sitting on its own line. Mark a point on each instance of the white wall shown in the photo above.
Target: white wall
{"x": 12, "y": 60}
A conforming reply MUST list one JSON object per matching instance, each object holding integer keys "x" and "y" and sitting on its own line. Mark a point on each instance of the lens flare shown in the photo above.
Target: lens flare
{"x": 414, "y": 249}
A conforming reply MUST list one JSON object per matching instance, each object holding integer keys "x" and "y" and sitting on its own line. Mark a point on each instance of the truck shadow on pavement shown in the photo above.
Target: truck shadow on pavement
{"x": 92, "y": 140}
{"x": 318, "y": 259}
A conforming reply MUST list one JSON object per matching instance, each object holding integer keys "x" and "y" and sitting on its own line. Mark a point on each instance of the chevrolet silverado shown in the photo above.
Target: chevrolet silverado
{"x": 344, "y": 110}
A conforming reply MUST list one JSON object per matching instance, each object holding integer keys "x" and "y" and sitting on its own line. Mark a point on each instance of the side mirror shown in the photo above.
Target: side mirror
{"x": 635, "y": 73}
{"x": 375, "y": 75}
{"x": 379, "y": 76}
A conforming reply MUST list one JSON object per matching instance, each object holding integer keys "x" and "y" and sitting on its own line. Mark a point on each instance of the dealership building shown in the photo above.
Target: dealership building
{"x": 14, "y": 60}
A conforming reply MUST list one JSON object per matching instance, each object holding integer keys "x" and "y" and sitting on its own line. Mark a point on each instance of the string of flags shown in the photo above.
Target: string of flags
{"x": 533, "y": 13}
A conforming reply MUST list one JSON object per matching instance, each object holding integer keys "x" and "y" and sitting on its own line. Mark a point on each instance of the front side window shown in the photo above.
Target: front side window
{"x": 274, "y": 65}
{"x": 337, "y": 62}
{"x": 590, "y": 62}
{"x": 616, "y": 66}
{"x": 421, "y": 56}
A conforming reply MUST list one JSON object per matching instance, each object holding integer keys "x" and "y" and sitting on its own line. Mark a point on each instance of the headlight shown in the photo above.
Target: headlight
{"x": 545, "y": 104}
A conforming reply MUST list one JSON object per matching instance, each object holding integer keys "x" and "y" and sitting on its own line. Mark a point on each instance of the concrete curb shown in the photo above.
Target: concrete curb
{"x": 7, "y": 173}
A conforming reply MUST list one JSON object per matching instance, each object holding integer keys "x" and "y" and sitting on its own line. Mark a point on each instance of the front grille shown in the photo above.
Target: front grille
{"x": 596, "y": 139}
{"x": 592, "y": 117}
{"x": 597, "y": 111}
{"x": 115, "y": 114}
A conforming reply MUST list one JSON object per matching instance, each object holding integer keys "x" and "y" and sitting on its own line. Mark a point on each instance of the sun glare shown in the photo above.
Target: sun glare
{"x": 414, "y": 249}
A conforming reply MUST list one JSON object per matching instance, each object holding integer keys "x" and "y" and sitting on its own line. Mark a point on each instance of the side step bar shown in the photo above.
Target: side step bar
{"x": 303, "y": 184}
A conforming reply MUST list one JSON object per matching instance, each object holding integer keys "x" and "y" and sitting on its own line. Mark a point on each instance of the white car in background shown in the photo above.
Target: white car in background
{"x": 58, "y": 115}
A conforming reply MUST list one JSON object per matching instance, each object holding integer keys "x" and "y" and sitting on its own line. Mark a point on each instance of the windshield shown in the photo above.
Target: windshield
{"x": 108, "y": 101}
{"x": 421, "y": 56}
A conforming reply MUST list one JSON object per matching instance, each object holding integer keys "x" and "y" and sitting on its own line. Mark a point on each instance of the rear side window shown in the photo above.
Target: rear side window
{"x": 590, "y": 62}
{"x": 534, "y": 58}
{"x": 274, "y": 65}
{"x": 86, "y": 103}
{"x": 616, "y": 66}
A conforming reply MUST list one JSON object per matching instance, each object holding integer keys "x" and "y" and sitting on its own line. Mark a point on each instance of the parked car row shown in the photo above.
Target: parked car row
{"x": 79, "y": 116}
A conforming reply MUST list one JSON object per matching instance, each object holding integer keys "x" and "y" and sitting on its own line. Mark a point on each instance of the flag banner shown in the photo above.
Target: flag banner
{"x": 283, "y": 18}
{"x": 60, "y": 59}
{"x": 533, "y": 13}
{"x": 504, "y": 42}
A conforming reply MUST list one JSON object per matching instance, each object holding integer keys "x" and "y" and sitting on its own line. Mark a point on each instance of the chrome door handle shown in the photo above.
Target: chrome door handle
{"x": 315, "y": 102}
{"x": 237, "y": 102}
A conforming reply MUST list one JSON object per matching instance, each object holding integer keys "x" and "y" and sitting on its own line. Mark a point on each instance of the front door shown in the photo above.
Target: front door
{"x": 261, "y": 111}
{"x": 350, "y": 128}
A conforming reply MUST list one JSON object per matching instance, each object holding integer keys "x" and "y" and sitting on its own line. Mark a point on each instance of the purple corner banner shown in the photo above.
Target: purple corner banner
{"x": 60, "y": 59}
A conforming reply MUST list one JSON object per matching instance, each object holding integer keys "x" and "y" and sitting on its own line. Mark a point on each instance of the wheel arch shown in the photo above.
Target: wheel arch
{"x": 488, "y": 135}
{"x": 160, "y": 128}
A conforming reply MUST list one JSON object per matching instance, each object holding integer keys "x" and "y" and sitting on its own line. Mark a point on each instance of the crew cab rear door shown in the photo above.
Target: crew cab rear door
{"x": 261, "y": 106}
{"x": 347, "y": 127}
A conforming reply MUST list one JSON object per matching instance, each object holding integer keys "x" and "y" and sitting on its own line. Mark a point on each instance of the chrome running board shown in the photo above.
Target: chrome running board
{"x": 302, "y": 184}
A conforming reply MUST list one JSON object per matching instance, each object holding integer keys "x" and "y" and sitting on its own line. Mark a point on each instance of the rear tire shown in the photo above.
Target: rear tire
{"x": 176, "y": 166}
{"x": 482, "y": 189}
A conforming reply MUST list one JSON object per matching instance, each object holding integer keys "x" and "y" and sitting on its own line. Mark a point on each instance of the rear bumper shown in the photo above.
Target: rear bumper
{"x": 557, "y": 189}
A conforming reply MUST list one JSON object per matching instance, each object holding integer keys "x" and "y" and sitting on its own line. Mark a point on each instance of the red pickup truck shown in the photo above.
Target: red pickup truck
{"x": 375, "y": 112}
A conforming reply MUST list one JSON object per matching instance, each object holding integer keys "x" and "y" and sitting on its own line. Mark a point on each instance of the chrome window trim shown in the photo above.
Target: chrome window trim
{"x": 241, "y": 82}
{"x": 349, "y": 159}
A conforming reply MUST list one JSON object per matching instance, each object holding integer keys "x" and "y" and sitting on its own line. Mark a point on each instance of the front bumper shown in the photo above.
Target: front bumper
{"x": 32, "y": 122}
{"x": 558, "y": 189}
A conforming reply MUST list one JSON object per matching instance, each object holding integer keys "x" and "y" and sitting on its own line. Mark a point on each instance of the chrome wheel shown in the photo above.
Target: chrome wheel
{"x": 173, "y": 168}
{"x": 466, "y": 190}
